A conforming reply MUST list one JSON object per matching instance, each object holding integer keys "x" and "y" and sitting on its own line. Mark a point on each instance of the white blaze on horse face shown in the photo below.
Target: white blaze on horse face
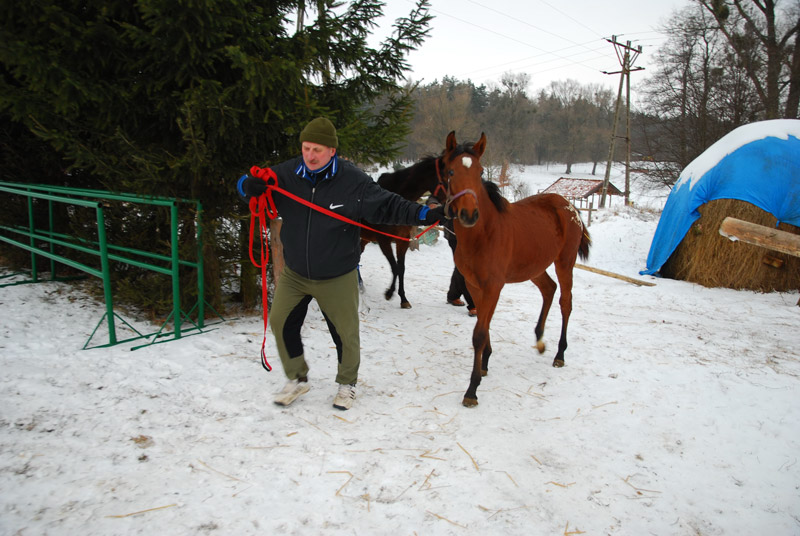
{"x": 467, "y": 161}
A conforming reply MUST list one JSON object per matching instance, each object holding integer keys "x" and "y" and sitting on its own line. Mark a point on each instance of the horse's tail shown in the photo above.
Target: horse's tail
{"x": 586, "y": 242}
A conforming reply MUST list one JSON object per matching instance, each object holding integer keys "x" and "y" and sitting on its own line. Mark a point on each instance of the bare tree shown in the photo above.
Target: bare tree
{"x": 508, "y": 119}
{"x": 602, "y": 117}
{"x": 761, "y": 36}
{"x": 697, "y": 93}
{"x": 441, "y": 107}
{"x": 573, "y": 120}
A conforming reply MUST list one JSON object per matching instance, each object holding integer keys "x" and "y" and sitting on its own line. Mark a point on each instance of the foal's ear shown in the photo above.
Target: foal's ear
{"x": 451, "y": 143}
{"x": 480, "y": 145}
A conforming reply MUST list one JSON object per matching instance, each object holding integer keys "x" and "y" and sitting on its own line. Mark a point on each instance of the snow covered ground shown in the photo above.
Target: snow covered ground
{"x": 676, "y": 413}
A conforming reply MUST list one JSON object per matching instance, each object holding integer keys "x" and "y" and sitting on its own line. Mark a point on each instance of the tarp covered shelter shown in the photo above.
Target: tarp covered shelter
{"x": 757, "y": 163}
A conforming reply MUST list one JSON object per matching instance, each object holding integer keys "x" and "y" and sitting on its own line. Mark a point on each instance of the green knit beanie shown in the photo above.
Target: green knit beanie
{"x": 322, "y": 131}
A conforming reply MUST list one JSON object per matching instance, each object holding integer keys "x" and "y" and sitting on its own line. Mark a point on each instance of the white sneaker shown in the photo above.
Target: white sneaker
{"x": 291, "y": 391}
{"x": 345, "y": 396}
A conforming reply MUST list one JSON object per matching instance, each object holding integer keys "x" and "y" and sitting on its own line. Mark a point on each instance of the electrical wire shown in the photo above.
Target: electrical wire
{"x": 559, "y": 54}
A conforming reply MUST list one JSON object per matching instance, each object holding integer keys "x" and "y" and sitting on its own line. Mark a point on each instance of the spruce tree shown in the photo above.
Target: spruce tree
{"x": 178, "y": 98}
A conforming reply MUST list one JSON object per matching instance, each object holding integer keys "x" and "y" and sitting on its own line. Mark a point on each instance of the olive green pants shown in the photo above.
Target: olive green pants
{"x": 338, "y": 301}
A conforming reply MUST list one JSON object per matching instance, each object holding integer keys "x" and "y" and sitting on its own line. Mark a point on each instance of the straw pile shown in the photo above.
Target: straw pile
{"x": 709, "y": 259}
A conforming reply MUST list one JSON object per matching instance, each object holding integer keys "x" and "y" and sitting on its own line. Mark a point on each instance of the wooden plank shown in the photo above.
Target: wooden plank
{"x": 277, "y": 248}
{"x": 761, "y": 236}
{"x": 615, "y": 275}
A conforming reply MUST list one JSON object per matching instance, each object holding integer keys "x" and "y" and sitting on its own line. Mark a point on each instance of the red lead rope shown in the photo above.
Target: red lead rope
{"x": 264, "y": 206}
{"x": 258, "y": 207}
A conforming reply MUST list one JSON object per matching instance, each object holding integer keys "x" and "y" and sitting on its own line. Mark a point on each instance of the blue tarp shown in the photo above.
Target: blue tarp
{"x": 757, "y": 163}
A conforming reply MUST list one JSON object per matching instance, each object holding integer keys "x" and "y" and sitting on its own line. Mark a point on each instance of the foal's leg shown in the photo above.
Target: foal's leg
{"x": 487, "y": 349}
{"x": 564, "y": 274}
{"x": 486, "y": 301}
{"x": 364, "y": 243}
{"x": 402, "y": 248}
{"x": 386, "y": 248}
{"x": 548, "y": 288}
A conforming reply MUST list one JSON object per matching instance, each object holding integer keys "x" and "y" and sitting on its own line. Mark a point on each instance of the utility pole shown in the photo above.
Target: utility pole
{"x": 627, "y": 56}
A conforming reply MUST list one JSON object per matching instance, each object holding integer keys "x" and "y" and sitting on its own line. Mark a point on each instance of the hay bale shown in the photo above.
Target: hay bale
{"x": 709, "y": 259}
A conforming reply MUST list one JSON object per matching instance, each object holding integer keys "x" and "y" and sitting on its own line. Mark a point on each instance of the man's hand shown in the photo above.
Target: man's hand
{"x": 253, "y": 186}
{"x": 434, "y": 214}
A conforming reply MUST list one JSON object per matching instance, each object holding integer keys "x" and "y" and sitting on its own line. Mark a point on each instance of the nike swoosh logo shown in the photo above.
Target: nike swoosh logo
{"x": 334, "y": 207}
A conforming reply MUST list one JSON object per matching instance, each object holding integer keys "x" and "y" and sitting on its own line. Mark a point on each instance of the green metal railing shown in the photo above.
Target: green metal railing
{"x": 96, "y": 199}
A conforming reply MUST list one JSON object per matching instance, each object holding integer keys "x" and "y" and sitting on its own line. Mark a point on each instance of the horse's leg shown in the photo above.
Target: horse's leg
{"x": 386, "y": 248}
{"x": 486, "y": 301}
{"x": 564, "y": 274}
{"x": 468, "y": 297}
{"x": 548, "y": 288}
{"x": 487, "y": 349}
{"x": 402, "y": 247}
{"x": 360, "y": 280}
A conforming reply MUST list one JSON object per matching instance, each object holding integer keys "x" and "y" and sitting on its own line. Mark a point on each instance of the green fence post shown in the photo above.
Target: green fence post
{"x": 201, "y": 280}
{"x": 104, "y": 267}
{"x": 52, "y": 246}
{"x": 176, "y": 287}
{"x": 32, "y": 228}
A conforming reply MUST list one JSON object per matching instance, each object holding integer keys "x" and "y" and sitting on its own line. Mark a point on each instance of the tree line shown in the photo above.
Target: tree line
{"x": 568, "y": 122}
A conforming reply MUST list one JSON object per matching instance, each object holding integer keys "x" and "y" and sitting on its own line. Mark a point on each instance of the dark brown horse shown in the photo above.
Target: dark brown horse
{"x": 411, "y": 183}
{"x": 501, "y": 242}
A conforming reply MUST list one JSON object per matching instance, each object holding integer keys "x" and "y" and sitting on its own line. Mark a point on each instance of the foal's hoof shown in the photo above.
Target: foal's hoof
{"x": 405, "y": 305}
{"x": 540, "y": 346}
{"x": 558, "y": 363}
{"x": 470, "y": 402}
{"x": 473, "y": 312}
{"x": 457, "y": 302}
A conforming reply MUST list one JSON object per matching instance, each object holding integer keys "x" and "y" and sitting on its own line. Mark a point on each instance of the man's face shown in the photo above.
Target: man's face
{"x": 317, "y": 156}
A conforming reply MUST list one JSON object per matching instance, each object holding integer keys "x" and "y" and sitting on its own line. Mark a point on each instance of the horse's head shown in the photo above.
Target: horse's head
{"x": 462, "y": 175}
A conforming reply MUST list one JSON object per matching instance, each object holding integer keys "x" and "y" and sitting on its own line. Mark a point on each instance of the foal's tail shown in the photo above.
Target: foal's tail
{"x": 586, "y": 242}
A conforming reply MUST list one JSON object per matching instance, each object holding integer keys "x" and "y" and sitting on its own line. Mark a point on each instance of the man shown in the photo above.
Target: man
{"x": 322, "y": 253}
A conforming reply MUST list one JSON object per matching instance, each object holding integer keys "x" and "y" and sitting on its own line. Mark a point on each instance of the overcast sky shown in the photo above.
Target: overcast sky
{"x": 548, "y": 39}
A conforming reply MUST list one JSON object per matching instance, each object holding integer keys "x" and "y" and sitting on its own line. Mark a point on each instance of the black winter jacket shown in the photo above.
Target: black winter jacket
{"x": 318, "y": 246}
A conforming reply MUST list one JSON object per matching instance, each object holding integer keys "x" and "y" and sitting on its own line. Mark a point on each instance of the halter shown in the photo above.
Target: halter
{"x": 440, "y": 185}
{"x": 444, "y": 185}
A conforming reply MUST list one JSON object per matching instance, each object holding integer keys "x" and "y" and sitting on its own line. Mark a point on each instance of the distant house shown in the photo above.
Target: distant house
{"x": 582, "y": 192}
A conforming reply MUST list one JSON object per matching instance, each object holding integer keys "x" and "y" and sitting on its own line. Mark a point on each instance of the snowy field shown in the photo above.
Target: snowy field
{"x": 676, "y": 413}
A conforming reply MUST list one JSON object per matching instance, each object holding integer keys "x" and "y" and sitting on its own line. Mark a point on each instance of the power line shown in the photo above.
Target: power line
{"x": 527, "y": 67}
{"x": 543, "y": 51}
{"x": 569, "y": 60}
{"x": 489, "y": 30}
{"x": 517, "y": 19}
{"x": 576, "y": 21}
{"x": 596, "y": 49}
